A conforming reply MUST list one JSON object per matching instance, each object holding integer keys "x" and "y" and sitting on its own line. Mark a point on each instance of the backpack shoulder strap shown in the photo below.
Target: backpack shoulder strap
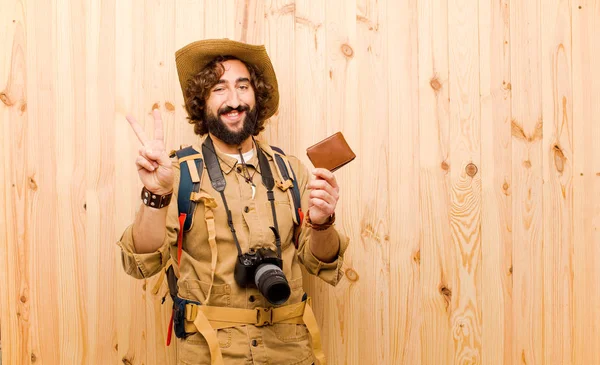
{"x": 191, "y": 166}
{"x": 282, "y": 166}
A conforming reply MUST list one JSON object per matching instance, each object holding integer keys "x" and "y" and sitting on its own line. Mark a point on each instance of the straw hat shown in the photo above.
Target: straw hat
{"x": 192, "y": 58}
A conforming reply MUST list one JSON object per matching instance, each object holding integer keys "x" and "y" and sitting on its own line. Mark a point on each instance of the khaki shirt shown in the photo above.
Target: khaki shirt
{"x": 247, "y": 344}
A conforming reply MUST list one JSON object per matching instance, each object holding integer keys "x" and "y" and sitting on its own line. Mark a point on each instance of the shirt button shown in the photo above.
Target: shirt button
{"x": 254, "y": 343}
{"x": 251, "y": 298}
{"x": 246, "y": 209}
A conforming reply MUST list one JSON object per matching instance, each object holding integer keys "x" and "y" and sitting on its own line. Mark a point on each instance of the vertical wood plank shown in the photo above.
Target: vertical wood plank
{"x": 586, "y": 180}
{"x": 98, "y": 202}
{"x": 342, "y": 115}
{"x": 310, "y": 109}
{"x": 496, "y": 199}
{"x": 43, "y": 226}
{"x": 70, "y": 181}
{"x": 219, "y": 19}
{"x": 280, "y": 42}
{"x": 404, "y": 293}
{"x": 527, "y": 129}
{"x": 15, "y": 278}
{"x": 158, "y": 53}
{"x": 465, "y": 197}
{"x": 557, "y": 147}
{"x": 371, "y": 256}
{"x": 188, "y": 28}
{"x": 131, "y": 305}
{"x": 310, "y": 75}
{"x": 437, "y": 254}
{"x": 249, "y": 21}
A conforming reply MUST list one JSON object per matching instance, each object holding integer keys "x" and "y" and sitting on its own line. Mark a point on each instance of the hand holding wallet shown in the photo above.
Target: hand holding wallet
{"x": 331, "y": 153}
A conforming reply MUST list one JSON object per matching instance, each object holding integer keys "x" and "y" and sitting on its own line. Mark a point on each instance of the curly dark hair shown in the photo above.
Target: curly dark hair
{"x": 199, "y": 86}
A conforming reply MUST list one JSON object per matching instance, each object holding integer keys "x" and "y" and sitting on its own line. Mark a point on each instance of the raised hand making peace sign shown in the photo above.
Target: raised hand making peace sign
{"x": 153, "y": 163}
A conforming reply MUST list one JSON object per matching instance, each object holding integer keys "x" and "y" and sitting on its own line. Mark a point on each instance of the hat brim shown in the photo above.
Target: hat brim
{"x": 191, "y": 59}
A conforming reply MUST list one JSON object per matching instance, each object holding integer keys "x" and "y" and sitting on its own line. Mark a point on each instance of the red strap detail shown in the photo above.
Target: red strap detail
{"x": 170, "y": 328}
{"x": 301, "y": 214}
{"x": 182, "y": 217}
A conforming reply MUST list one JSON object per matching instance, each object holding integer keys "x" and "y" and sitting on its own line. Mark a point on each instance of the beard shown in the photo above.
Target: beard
{"x": 218, "y": 128}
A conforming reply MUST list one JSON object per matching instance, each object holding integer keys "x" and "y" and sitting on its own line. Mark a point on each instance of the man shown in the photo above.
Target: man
{"x": 244, "y": 208}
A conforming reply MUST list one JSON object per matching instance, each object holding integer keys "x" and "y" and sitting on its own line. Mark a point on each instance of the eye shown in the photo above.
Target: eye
{"x": 218, "y": 89}
{"x": 244, "y": 87}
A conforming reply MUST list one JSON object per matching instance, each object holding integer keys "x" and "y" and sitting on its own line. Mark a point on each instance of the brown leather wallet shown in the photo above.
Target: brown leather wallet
{"x": 331, "y": 153}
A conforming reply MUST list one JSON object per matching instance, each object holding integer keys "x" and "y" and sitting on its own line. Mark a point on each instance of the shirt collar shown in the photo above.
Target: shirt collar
{"x": 229, "y": 163}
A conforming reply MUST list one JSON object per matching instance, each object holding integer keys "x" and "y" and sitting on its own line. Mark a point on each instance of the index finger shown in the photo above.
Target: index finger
{"x": 137, "y": 129}
{"x": 158, "y": 125}
{"x": 327, "y": 176}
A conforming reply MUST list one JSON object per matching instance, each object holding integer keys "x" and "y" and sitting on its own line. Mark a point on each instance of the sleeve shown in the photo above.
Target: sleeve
{"x": 330, "y": 272}
{"x": 145, "y": 265}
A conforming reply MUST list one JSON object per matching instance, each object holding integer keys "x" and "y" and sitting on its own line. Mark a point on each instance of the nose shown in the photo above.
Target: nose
{"x": 233, "y": 100}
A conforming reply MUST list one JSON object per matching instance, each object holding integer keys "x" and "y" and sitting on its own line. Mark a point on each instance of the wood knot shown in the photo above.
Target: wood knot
{"x": 352, "y": 275}
{"x": 170, "y": 107}
{"x": 126, "y": 361}
{"x": 32, "y": 184}
{"x": 447, "y": 294}
{"x": 23, "y": 299}
{"x": 445, "y": 291}
{"x": 23, "y": 108}
{"x": 435, "y": 83}
{"x": 527, "y": 164}
{"x": 5, "y": 99}
{"x": 445, "y": 166}
{"x": 347, "y": 50}
{"x": 559, "y": 159}
{"x": 155, "y": 106}
{"x": 471, "y": 169}
{"x": 417, "y": 257}
{"x": 510, "y": 270}
{"x": 33, "y": 357}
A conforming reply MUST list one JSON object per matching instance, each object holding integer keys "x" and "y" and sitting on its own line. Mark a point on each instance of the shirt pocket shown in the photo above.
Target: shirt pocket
{"x": 285, "y": 222}
{"x": 194, "y": 350}
{"x": 291, "y": 332}
{"x": 220, "y": 295}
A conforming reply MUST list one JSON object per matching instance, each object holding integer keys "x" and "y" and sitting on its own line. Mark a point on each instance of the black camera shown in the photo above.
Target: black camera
{"x": 263, "y": 269}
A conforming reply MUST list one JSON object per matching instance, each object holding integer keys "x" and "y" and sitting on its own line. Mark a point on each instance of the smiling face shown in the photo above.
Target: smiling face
{"x": 231, "y": 113}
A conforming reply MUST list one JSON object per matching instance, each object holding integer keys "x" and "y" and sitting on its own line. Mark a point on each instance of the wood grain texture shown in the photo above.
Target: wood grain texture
{"x": 557, "y": 148}
{"x": 527, "y": 163}
{"x": 586, "y": 181}
{"x": 279, "y": 39}
{"x": 15, "y": 187}
{"x": 465, "y": 180}
{"x": 473, "y": 205}
{"x": 437, "y": 256}
{"x": 496, "y": 182}
{"x": 403, "y": 182}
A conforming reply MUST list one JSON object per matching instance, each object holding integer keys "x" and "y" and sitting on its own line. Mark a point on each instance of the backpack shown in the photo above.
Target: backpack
{"x": 191, "y": 168}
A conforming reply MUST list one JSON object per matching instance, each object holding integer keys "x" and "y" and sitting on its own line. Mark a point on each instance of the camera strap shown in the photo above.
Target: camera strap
{"x": 218, "y": 183}
{"x": 269, "y": 183}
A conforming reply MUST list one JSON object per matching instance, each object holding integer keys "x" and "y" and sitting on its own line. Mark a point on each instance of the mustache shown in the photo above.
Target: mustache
{"x": 239, "y": 109}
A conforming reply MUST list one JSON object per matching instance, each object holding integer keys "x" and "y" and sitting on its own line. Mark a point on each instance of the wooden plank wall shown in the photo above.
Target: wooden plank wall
{"x": 473, "y": 206}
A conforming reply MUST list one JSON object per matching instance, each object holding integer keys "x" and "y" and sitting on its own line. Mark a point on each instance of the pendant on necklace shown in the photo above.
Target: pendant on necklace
{"x": 253, "y": 190}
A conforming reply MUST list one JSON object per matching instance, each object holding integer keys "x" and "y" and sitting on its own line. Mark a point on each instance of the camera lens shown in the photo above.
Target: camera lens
{"x": 272, "y": 284}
